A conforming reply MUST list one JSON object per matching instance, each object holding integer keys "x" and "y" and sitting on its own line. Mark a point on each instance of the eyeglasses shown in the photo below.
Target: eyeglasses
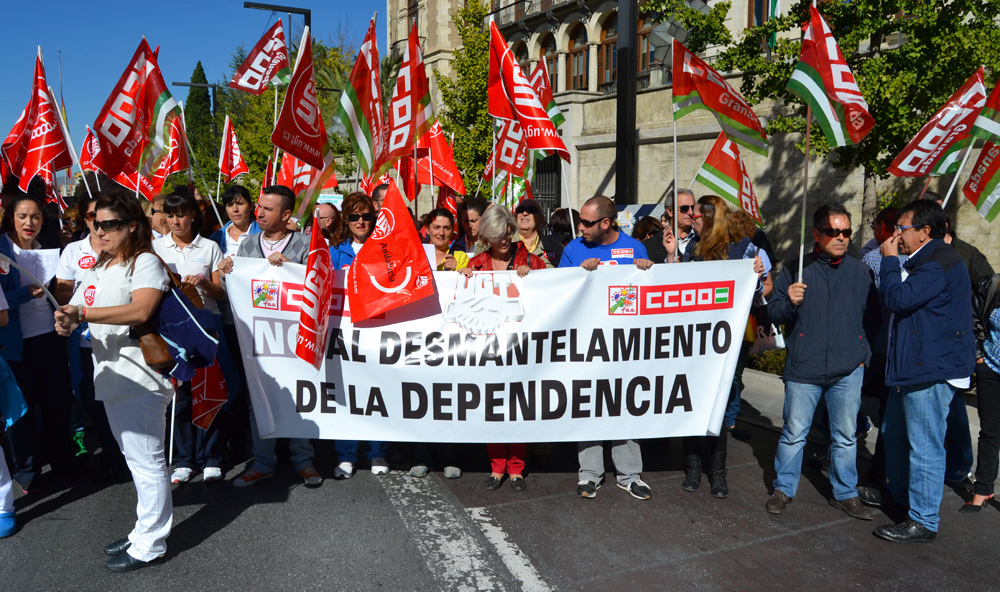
{"x": 685, "y": 209}
{"x": 527, "y": 210}
{"x": 902, "y": 228}
{"x": 835, "y": 232}
{"x": 152, "y": 212}
{"x": 367, "y": 217}
{"x": 591, "y": 223}
{"x": 109, "y": 225}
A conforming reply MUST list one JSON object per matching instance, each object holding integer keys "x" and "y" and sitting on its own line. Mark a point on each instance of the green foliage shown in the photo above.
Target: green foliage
{"x": 465, "y": 98}
{"x": 389, "y": 70}
{"x": 772, "y": 362}
{"x": 198, "y": 119}
{"x": 704, "y": 28}
{"x": 904, "y": 84}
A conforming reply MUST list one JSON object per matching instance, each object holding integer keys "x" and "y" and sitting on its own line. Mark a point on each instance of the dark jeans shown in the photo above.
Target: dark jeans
{"x": 196, "y": 448}
{"x": 236, "y": 430}
{"x": 43, "y": 376}
{"x": 988, "y": 398}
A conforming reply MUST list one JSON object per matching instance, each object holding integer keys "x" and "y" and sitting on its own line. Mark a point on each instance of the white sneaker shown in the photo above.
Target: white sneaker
{"x": 379, "y": 466}
{"x": 344, "y": 470}
{"x": 211, "y": 474}
{"x": 181, "y": 475}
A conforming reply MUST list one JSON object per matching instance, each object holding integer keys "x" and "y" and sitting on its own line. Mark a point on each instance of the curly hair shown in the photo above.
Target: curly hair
{"x": 714, "y": 242}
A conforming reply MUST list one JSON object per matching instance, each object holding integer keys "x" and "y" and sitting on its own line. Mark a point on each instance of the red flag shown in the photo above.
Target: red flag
{"x": 725, "y": 173}
{"x": 433, "y": 149}
{"x": 941, "y": 135}
{"x": 133, "y": 127}
{"x": 369, "y": 184}
{"x": 208, "y": 394}
{"x": 231, "y": 161}
{"x": 698, "y": 86}
{"x": 411, "y": 113}
{"x": 391, "y": 270}
{"x": 46, "y": 146}
{"x": 446, "y": 200}
{"x": 51, "y": 195}
{"x": 299, "y": 130}
{"x": 15, "y": 146}
{"x": 317, "y": 294}
{"x": 266, "y": 63}
{"x": 176, "y": 160}
{"x": 90, "y": 154}
{"x": 511, "y": 152}
{"x": 511, "y": 97}
{"x": 404, "y": 166}
{"x": 295, "y": 174}
{"x": 360, "y": 108}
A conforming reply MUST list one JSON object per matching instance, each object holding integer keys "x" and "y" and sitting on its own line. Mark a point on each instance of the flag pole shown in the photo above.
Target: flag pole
{"x": 72, "y": 149}
{"x": 222, "y": 152}
{"x": 958, "y": 173}
{"x": 197, "y": 167}
{"x": 493, "y": 155}
{"x": 805, "y": 188}
{"x": 677, "y": 215}
{"x": 173, "y": 420}
{"x": 416, "y": 204}
{"x": 927, "y": 184}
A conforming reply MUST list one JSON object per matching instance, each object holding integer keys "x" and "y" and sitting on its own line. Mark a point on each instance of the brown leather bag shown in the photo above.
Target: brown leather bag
{"x": 155, "y": 351}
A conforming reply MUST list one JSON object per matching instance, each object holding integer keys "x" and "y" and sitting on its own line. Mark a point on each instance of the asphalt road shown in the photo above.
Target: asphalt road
{"x": 396, "y": 532}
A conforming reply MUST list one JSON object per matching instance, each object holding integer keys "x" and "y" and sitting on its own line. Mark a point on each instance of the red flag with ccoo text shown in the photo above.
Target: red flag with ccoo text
{"x": 299, "y": 129}
{"x": 391, "y": 269}
{"x": 266, "y": 63}
{"x": 317, "y": 293}
{"x": 231, "y": 161}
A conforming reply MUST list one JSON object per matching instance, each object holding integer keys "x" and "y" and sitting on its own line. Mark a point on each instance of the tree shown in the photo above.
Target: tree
{"x": 465, "y": 113}
{"x": 198, "y": 119}
{"x": 703, "y": 28}
{"x": 940, "y": 43}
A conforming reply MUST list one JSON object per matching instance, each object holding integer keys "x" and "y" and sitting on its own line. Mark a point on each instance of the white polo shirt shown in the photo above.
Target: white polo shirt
{"x": 76, "y": 259}
{"x": 202, "y": 257}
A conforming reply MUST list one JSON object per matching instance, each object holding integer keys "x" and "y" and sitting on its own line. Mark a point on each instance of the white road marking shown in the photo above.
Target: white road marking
{"x": 516, "y": 561}
{"x": 446, "y": 537}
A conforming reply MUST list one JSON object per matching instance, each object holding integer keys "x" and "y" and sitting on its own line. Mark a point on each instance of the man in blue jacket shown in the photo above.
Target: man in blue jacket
{"x": 932, "y": 354}
{"x": 823, "y": 313}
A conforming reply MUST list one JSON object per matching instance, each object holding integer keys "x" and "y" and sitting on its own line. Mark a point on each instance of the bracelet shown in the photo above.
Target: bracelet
{"x": 81, "y": 314}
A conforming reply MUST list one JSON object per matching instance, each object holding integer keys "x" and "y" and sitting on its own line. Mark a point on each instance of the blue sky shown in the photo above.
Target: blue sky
{"x": 98, "y": 37}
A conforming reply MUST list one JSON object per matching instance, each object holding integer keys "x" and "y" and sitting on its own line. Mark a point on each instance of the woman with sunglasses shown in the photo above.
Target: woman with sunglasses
{"x": 503, "y": 253}
{"x": 719, "y": 240}
{"x": 530, "y": 224}
{"x": 357, "y": 223}
{"x": 36, "y": 354}
{"x": 195, "y": 260}
{"x": 121, "y": 290}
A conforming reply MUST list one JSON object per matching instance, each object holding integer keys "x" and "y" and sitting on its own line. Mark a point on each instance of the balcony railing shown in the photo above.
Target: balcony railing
{"x": 507, "y": 12}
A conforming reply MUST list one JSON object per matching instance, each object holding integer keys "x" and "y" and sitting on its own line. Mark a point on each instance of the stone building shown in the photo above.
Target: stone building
{"x": 579, "y": 39}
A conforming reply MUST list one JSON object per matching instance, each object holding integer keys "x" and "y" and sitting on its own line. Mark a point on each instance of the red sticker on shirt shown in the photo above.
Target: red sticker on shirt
{"x": 88, "y": 295}
{"x": 86, "y": 262}
{"x": 621, "y": 253}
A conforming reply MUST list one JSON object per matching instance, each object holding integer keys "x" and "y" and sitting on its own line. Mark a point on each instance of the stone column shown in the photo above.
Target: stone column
{"x": 561, "y": 75}
{"x": 592, "y": 47}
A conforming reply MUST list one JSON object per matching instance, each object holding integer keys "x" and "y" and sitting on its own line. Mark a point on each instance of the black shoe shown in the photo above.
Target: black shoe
{"x": 870, "y": 496}
{"x": 971, "y": 508}
{"x": 587, "y": 489}
{"x": 905, "y": 532}
{"x": 717, "y": 475}
{"x": 518, "y": 483}
{"x": 637, "y": 489}
{"x": 492, "y": 484}
{"x": 692, "y": 473}
{"x": 126, "y": 562}
{"x": 739, "y": 434}
{"x": 118, "y": 547}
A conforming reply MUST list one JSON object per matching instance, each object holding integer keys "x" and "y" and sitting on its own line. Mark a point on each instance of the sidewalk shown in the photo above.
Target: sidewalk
{"x": 764, "y": 399}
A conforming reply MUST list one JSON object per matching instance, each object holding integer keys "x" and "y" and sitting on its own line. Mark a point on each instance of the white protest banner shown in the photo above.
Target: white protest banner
{"x": 559, "y": 355}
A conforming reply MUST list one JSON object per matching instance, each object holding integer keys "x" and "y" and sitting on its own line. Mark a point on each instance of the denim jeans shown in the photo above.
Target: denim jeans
{"x": 347, "y": 450}
{"x": 265, "y": 459}
{"x": 843, "y": 399}
{"x": 914, "y": 430}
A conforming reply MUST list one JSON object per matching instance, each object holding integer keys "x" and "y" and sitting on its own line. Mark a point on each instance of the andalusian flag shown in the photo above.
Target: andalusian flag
{"x": 823, "y": 80}
{"x": 411, "y": 114}
{"x": 360, "y": 106}
{"x": 725, "y": 173}
{"x": 698, "y": 86}
{"x": 540, "y": 82}
{"x": 987, "y": 125}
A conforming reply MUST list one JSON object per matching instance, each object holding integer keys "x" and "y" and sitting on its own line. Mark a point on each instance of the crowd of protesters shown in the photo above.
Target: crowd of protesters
{"x": 909, "y": 320}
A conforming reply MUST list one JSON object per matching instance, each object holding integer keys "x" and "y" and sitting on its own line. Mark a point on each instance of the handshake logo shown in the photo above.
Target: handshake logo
{"x": 484, "y": 302}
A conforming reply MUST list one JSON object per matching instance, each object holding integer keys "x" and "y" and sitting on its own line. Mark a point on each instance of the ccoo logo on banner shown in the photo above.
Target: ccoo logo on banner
{"x": 559, "y": 355}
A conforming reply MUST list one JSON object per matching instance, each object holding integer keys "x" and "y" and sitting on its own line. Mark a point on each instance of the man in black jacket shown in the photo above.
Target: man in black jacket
{"x": 823, "y": 314}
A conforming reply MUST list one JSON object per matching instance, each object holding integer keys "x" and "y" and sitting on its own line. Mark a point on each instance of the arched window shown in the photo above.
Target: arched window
{"x": 521, "y": 55}
{"x": 607, "y": 54}
{"x": 547, "y": 52}
{"x": 579, "y": 59}
{"x": 645, "y": 53}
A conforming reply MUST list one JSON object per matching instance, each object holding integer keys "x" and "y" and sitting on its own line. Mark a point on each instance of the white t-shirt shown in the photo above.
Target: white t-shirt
{"x": 76, "y": 259}
{"x": 202, "y": 256}
{"x": 36, "y": 314}
{"x": 119, "y": 368}
{"x": 356, "y": 246}
{"x": 232, "y": 246}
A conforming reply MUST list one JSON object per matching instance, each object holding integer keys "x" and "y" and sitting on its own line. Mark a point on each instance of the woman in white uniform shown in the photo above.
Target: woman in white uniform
{"x": 120, "y": 291}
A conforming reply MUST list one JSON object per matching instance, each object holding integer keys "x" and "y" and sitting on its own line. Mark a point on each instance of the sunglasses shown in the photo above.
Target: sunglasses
{"x": 91, "y": 216}
{"x": 685, "y": 209}
{"x": 591, "y": 223}
{"x": 835, "y": 232}
{"x": 151, "y": 212}
{"x": 367, "y": 217}
{"x": 527, "y": 210}
{"x": 109, "y": 225}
